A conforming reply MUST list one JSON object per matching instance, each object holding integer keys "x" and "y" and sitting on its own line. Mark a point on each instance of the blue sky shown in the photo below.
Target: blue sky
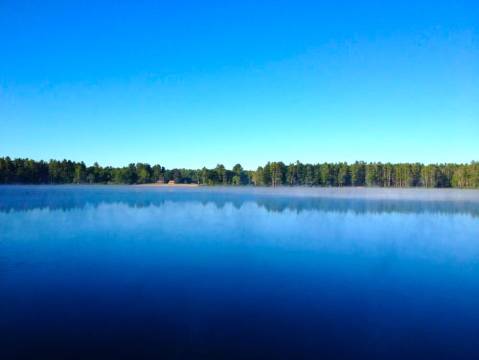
{"x": 190, "y": 83}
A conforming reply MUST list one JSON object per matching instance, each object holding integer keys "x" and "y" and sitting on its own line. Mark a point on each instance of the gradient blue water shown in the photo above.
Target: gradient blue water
{"x": 161, "y": 273}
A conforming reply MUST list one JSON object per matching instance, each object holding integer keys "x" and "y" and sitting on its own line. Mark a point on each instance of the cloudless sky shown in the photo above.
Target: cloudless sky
{"x": 194, "y": 83}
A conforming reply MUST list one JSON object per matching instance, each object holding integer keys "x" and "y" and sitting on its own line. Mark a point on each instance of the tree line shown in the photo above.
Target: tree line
{"x": 27, "y": 171}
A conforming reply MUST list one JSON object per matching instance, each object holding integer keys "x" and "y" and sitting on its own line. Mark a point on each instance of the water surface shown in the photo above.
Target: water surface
{"x": 203, "y": 273}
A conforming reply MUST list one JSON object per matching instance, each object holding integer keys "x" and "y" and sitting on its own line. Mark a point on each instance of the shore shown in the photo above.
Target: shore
{"x": 167, "y": 185}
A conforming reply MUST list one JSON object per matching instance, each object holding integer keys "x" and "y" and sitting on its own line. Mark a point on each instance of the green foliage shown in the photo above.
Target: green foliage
{"x": 27, "y": 171}
{"x": 358, "y": 173}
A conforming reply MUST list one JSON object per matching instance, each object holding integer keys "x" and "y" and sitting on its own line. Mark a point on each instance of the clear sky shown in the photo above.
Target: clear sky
{"x": 193, "y": 83}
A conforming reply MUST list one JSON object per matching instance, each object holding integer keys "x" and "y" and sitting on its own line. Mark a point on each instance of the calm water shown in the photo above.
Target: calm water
{"x": 128, "y": 272}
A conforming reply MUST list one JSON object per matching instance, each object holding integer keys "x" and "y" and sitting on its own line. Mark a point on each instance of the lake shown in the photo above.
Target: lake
{"x": 238, "y": 273}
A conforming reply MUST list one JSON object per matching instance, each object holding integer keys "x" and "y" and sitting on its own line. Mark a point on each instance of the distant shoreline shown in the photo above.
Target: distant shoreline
{"x": 166, "y": 185}
{"x": 357, "y": 174}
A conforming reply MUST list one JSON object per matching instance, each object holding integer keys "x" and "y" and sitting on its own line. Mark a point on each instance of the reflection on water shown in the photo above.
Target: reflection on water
{"x": 125, "y": 272}
{"x": 18, "y": 198}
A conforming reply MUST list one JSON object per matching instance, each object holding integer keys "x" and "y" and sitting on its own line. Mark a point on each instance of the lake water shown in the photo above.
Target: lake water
{"x": 203, "y": 273}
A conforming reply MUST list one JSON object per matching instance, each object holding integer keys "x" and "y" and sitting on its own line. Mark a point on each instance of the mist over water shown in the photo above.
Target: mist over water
{"x": 141, "y": 272}
{"x": 273, "y": 199}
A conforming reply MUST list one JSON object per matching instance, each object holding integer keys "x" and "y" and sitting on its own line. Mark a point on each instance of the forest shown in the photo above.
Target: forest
{"x": 359, "y": 173}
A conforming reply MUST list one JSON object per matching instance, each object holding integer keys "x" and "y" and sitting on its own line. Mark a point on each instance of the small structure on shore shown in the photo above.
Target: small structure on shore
{"x": 172, "y": 182}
